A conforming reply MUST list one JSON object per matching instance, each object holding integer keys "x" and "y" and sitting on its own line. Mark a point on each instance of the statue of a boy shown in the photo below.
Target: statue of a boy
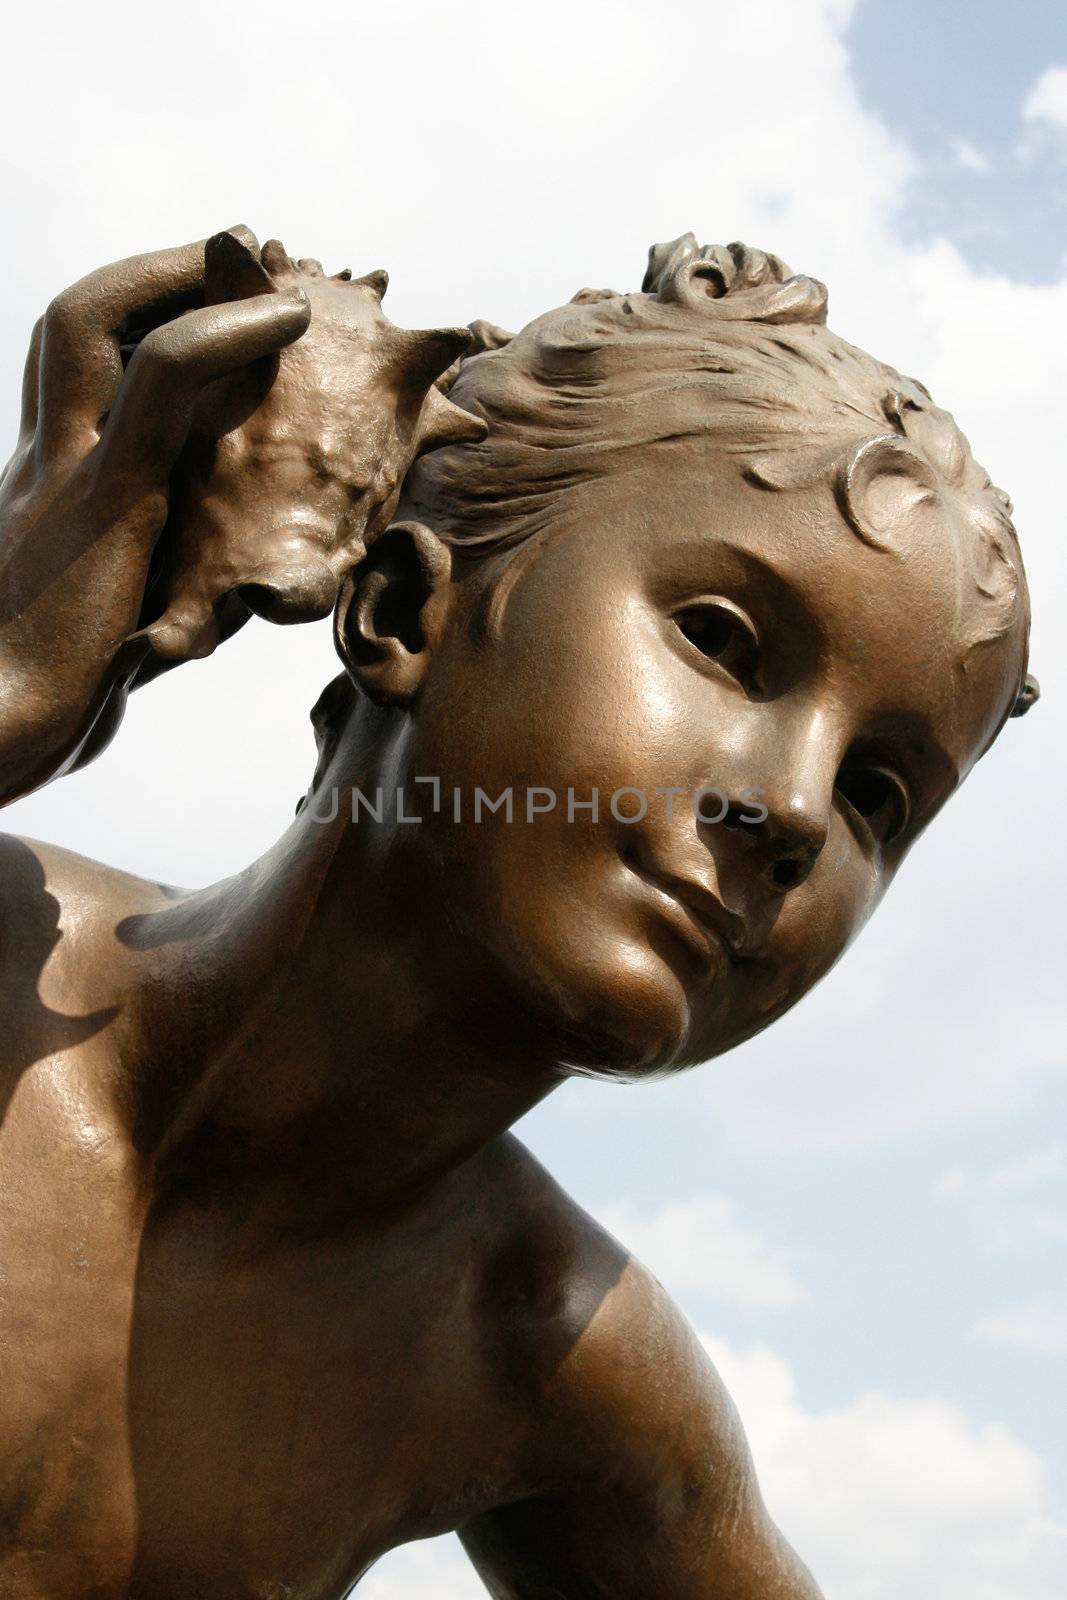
{"x": 646, "y": 696}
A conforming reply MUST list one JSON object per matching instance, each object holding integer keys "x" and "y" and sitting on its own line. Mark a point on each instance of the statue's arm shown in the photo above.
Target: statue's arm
{"x": 649, "y": 1488}
{"x": 84, "y": 497}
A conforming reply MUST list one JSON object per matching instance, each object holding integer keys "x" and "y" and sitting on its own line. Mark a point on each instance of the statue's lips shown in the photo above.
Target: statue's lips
{"x": 702, "y": 912}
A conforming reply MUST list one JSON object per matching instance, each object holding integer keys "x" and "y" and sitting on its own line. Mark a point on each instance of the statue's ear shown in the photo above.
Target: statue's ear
{"x": 886, "y": 488}
{"x": 391, "y": 612}
{"x": 232, "y": 271}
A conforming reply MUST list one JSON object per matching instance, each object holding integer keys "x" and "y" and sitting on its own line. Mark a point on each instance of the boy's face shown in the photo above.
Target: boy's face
{"x": 682, "y": 630}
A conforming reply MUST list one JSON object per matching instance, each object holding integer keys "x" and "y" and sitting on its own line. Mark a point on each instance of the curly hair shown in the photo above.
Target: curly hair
{"x": 727, "y": 343}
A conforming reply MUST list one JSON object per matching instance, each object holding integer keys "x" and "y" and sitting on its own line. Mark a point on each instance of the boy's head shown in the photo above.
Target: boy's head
{"x": 723, "y": 570}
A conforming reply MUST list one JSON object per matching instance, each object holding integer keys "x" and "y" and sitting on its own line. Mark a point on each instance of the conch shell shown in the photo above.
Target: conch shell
{"x": 294, "y": 462}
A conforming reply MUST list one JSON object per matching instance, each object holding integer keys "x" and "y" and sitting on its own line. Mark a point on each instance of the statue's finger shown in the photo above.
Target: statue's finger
{"x": 81, "y": 365}
{"x": 153, "y": 410}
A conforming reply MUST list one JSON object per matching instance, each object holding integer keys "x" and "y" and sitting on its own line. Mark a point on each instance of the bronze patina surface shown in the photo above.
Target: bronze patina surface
{"x": 717, "y": 611}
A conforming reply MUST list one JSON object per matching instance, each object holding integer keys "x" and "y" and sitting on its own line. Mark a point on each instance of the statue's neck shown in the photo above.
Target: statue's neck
{"x": 345, "y": 1053}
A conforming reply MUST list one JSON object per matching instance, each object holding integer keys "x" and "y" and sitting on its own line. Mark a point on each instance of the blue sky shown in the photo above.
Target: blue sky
{"x": 865, "y": 1210}
{"x": 952, "y": 79}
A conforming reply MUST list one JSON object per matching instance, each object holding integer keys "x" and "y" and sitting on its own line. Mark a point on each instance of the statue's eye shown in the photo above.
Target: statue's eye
{"x": 876, "y": 794}
{"x": 723, "y": 633}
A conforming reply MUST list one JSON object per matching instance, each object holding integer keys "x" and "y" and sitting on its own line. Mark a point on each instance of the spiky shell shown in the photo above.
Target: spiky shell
{"x": 293, "y": 463}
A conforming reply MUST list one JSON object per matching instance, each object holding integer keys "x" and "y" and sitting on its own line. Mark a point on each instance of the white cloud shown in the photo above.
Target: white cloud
{"x": 969, "y": 156}
{"x": 1046, "y": 100}
{"x": 886, "y": 1497}
{"x": 698, "y": 1246}
{"x": 435, "y": 1569}
{"x": 1022, "y": 1179}
{"x": 1033, "y": 1171}
{"x": 1018, "y": 1205}
{"x": 891, "y": 1043}
{"x": 1036, "y": 1325}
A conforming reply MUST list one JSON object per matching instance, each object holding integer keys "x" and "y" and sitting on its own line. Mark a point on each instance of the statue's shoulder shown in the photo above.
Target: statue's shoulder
{"x": 61, "y": 911}
{"x": 588, "y": 1331}
{"x": 626, "y": 1455}
{"x": 44, "y": 881}
{"x": 549, "y": 1265}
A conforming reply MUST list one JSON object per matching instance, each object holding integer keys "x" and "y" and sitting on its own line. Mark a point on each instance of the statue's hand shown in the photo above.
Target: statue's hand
{"x": 85, "y": 496}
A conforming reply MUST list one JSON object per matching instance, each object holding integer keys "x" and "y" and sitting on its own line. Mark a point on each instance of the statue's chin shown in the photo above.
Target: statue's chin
{"x": 627, "y": 1018}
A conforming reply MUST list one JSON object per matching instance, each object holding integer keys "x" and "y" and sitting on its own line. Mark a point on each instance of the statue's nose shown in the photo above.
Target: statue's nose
{"x": 797, "y": 795}
{"x": 795, "y": 845}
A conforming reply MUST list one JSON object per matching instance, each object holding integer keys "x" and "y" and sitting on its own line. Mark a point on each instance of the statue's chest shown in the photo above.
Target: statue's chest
{"x": 276, "y": 1418}
{"x": 305, "y": 1409}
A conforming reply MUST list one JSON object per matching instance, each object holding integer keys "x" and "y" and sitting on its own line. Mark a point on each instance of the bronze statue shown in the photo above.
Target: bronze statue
{"x": 667, "y": 625}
